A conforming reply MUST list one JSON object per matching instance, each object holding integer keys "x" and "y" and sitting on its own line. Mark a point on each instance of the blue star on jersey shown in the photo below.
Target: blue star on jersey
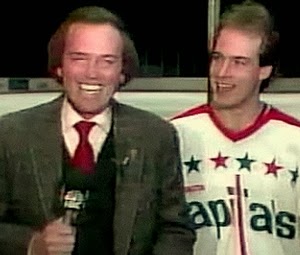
{"x": 295, "y": 175}
{"x": 245, "y": 162}
{"x": 192, "y": 164}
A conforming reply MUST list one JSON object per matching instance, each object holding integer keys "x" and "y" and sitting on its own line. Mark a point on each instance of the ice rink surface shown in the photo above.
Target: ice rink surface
{"x": 165, "y": 104}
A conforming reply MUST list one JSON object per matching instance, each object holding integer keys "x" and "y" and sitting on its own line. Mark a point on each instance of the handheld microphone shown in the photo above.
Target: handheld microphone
{"x": 74, "y": 202}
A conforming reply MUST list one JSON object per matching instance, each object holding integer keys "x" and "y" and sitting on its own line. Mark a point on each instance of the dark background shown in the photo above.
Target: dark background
{"x": 167, "y": 33}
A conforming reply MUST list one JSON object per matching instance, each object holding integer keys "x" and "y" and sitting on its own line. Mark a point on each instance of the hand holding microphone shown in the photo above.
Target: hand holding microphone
{"x": 55, "y": 238}
{"x": 58, "y": 236}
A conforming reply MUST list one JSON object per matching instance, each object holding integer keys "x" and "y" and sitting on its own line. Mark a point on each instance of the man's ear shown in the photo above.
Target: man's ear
{"x": 122, "y": 78}
{"x": 265, "y": 72}
{"x": 58, "y": 72}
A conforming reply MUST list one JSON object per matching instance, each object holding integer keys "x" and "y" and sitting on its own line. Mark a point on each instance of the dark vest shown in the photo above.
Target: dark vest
{"x": 95, "y": 221}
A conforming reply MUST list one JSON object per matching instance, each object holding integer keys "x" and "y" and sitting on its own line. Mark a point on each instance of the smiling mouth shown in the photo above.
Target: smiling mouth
{"x": 224, "y": 86}
{"x": 91, "y": 88}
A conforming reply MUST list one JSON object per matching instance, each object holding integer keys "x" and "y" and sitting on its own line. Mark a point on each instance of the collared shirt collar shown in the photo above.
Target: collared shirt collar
{"x": 70, "y": 117}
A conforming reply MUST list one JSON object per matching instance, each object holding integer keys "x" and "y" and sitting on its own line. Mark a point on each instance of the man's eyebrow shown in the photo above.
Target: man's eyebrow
{"x": 231, "y": 57}
{"x": 78, "y": 53}
{"x": 241, "y": 57}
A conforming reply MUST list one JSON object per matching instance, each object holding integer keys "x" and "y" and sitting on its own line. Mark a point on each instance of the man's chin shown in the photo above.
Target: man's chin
{"x": 221, "y": 105}
{"x": 88, "y": 113}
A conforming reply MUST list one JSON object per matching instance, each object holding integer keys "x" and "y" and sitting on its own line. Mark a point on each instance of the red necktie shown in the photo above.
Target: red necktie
{"x": 84, "y": 157}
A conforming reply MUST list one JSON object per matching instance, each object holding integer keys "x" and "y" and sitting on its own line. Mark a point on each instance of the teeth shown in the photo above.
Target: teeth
{"x": 90, "y": 87}
{"x": 225, "y": 85}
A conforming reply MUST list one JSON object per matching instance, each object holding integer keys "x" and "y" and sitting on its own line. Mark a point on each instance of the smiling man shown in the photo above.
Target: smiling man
{"x": 84, "y": 174}
{"x": 240, "y": 156}
{"x": 91, "y": 70}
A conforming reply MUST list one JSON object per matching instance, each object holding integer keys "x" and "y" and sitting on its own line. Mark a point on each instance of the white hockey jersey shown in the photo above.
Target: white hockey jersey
{"x": 243, "y": 188}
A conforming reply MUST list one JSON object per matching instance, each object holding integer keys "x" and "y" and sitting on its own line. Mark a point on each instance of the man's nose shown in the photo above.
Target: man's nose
{"x": 92, "y": 69}
{"x": 224, "y": 67}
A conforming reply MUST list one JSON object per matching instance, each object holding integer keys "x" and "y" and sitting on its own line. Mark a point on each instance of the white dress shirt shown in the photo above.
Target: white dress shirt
{"x": 97, "y": 135}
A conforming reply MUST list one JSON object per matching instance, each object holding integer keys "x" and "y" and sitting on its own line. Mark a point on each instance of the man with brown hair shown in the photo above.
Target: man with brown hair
{"x": 240, "y": 155}
{"x": 122, "y": 162}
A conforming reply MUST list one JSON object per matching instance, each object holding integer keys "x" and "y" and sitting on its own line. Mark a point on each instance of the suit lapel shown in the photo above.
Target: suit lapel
{"x": 129, "y": 159}
{"x": 45, "y": 155}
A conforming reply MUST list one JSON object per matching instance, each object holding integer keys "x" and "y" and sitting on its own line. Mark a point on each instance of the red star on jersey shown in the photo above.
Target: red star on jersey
{"x": 219, "y": 160}
{"x": 272, "y": 168}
